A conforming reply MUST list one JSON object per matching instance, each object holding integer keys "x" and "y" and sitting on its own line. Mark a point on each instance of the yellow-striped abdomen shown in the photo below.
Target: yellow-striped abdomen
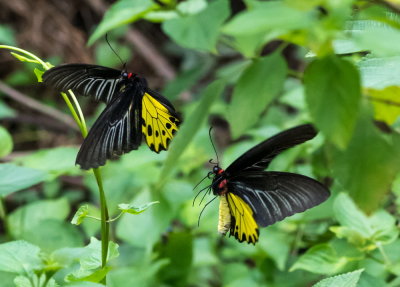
{"x": 224, "y": 220}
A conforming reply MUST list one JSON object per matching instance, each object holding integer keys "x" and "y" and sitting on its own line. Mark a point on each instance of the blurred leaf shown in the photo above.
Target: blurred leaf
{"x": 38, "y": 74}
{"x": 185, "y": 80}
{"x": 14, "y": 178}
{"x": 320, "y": 259}
{"x": 149, "y": 224}
{"x": 84, "y": 284}
{"x": 6, "y": 142}
{"x": 6, "y": 111}
{"x": 357, "y": 228}
{"x": 191, "y": 6}
{"x": 90, "y": 262}
{"x": 256, "y": 88}
{"x": 121, "y": 13}
{"x": 105, "y": 56}
{"x": 267, "y": 16}
{"x": 191, "y": 125}
{"x": 178, "y": 249}
{"x": 349, "y": 215}
{"x": 386, "y": 103}
{"x": 130, "y": 208}
{"x": 343, "y": 280}
{"x": 199, "y": 31}
{"x": 375, "y": 39}
{"x": 28, "y": 216}
{"x": 277, "y": 245}
{"x": 51, "y": 234}
{"x": 24, "y": 59}
{"x": 355, "y": 168}
{"x": 379, "y": 73}
{"x": 19, "y": 257}
{"x": 333, "y": 91}
{"x": 7, "y": 35}
{"x": 34, "y": 281}
{"x": 55, "y": 161}
{"x": 80, "y": 214}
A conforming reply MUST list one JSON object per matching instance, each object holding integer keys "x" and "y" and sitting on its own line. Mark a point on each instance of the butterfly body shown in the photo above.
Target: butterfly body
{"x": 132, "y": 109}
{"x": 256, "y": 198}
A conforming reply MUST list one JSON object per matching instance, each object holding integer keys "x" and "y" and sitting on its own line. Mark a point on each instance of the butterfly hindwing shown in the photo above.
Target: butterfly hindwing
{"x": 99, "y": 82}
{"x": 243, "y": 225}
{"x": 159, "y": 121}
{"x": 116, "y": 131}
{"x": 259, "y": 157}
{"x": 272, "y": 196}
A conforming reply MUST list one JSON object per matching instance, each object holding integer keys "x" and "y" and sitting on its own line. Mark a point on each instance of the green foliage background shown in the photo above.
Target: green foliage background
{"x": 239, "y": 68}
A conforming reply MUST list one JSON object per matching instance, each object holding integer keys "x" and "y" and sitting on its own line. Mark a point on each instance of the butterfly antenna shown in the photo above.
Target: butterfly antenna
{"x": 198, "y": 222}
{"x": 215, "y": 150}
{"x": 199, "y": 193}
{"x": 122, "y": 62}
{"x": 207, "y": 192}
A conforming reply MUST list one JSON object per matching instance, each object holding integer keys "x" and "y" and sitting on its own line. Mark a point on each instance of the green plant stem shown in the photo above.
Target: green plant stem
{"x": 80, "y": 120}
{"x": 3, "y": 214}
{"x": 105, "y": 227}
{"x": 383, "y": 253}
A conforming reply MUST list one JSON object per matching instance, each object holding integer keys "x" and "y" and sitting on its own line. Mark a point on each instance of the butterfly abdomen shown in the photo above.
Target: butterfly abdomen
{"x": 224, "y": 220}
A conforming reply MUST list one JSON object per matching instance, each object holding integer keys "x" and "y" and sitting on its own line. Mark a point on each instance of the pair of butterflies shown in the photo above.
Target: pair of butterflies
{"x": 249, "y": 197}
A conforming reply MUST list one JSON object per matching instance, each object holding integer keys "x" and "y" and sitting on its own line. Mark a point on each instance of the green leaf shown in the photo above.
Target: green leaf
{"x": 24, "y": 281}
{"x": 256, "y": 88}
{"x": 349, "y": 215}
{"x": 30, "y": 215}
{"x": 199, "y": 31}
{"x": 90, "y": 262}
{"x": 267, "y": 16}
{"x": 386, "y": 103}
{"x": 24, "y": 59}
{"x": 130, "y": 208}
{"x": 19, "y": 257}
{"x": 55, "y": 161}
{"x": 52, "y": 234}
{"x": 191, "y": 125}
{"x": 349, "y": 279}
{"x": 14, "y": 178}
{"x": 356, "y": 167}
{"x": 6, "y": 142}
{"x": 38, "y": 74}
{"x": 333, "y": 91}
{"x": 320, "y": 259}
{"x": 379, "y": 73}
{"x": 6, "y": 111}
{"x": 121, "y": 13}
{"x": 178, "y": 249}
{"x": 80, "y": 214}
{"x": 7, "y": 35}
{"x": 277, "y": 246}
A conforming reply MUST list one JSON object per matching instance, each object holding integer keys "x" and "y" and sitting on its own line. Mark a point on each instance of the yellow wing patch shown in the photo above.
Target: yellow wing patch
{"x": 243, "y": 226}
{"x": 159, "y": 126}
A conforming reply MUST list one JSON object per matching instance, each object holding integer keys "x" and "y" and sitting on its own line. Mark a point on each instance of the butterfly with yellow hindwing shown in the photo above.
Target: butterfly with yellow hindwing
{"x": 132, "y": 110}
{"x": 251, "y": 197}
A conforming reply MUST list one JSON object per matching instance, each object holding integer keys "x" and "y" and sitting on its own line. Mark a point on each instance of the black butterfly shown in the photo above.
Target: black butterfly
{"x": 132, "y": 109}
{"x": 251, "y": 197}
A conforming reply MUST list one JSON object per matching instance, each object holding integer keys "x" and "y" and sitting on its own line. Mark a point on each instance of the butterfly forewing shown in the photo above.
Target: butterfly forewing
{"x": 101, "y": 83}
{"x": 259, "y": 157}
{"x": 116, "y": 131}
{"x": 160, "y": 121}
{"x": 272, "y": 196}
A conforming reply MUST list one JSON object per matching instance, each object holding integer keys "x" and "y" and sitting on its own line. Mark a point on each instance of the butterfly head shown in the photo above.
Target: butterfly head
{"x": 125, "y": 75}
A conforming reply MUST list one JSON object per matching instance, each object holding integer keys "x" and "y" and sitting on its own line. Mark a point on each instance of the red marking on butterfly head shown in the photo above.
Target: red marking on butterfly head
{"x": 129, "y": 75}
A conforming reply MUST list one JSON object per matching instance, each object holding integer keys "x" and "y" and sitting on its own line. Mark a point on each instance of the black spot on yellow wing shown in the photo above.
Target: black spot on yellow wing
{"x": 159, "y": 126}
{"x": 243, "y": 225}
